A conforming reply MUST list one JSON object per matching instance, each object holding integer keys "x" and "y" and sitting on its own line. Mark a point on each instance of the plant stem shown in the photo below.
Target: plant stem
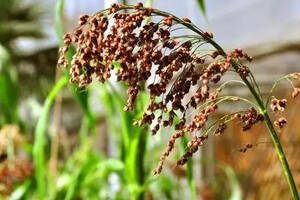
{"x": 273, "y": 134}
{"x": 282, "y": 158}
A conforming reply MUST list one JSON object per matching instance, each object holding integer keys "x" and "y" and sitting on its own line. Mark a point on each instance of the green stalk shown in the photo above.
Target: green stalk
{"x": 285, "y": 165}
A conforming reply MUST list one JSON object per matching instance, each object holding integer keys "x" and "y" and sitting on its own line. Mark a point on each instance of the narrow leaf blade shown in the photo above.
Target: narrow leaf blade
{"x": 202, "y": 7}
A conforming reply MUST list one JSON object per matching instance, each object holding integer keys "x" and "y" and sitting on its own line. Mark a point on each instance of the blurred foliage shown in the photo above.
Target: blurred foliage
{"x": 227, "y": 185}
{"x": 18, "y": 20}
{"x": 133, "y": 139}
{"x": 21, "y": 20}
{"x": 9, "y": 89}
{"x": 39, "y": 154}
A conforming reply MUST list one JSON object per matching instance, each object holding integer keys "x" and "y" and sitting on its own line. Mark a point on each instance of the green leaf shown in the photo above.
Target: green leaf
{"x": 9, "y": 96}
{"x": 117, "y": 64}
{"x": 40, "y": 139}
{"x": 59, "y": 28}
{"x": 202, "y": 7}
{"x": 102, "y": 170}
{"x": 111, "y": 164}
{"x": 82, "y": 164}
{"x": 236, "y": 191}
{"x": 149, "y": 3}
{"x": 19, "y": 192}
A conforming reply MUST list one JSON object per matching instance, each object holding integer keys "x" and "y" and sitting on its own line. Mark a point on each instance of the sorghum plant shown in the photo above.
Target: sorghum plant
{"x": 182, "y": 78}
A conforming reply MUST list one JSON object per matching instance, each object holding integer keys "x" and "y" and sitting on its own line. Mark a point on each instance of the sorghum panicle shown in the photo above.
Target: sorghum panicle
{"x": 171, "y": 68}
